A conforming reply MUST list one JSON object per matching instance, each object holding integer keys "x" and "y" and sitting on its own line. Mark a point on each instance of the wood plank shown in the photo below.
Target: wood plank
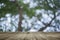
{"x": 29, "y": 35}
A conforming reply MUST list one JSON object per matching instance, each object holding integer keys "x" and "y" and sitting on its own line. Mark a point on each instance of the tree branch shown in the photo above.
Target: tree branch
{"x": 43, "y": 28}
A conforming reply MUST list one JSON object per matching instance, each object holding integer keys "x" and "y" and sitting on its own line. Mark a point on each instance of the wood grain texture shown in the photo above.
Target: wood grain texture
{"x": 29, "y": 36}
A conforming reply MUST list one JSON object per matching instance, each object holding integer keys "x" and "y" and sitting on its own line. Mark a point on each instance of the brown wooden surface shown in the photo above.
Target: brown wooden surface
{"x": 29, "y": 36}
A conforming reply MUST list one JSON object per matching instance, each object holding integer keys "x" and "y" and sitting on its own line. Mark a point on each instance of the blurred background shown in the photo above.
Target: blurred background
{"x": 29, "y": 15}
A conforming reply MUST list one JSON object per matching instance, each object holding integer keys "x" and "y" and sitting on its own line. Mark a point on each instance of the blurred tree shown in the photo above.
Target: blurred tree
{"x": 52, "y": 5}
{"x": 18, "y": 6}
{"x": 13, "y": 7}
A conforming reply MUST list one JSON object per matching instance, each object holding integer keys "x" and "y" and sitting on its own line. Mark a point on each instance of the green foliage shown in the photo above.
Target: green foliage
{"x": 57, "y": 3}
{"x": 1, "y": 28}
{"x": 39, "y": 16}
{"x": 11, "y": 7}
{"x": 29, "y": 11}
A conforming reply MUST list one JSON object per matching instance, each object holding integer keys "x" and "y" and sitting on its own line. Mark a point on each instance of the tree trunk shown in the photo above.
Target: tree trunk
{"x": 20, "y": 16}
{"x": 20, "y": 19}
